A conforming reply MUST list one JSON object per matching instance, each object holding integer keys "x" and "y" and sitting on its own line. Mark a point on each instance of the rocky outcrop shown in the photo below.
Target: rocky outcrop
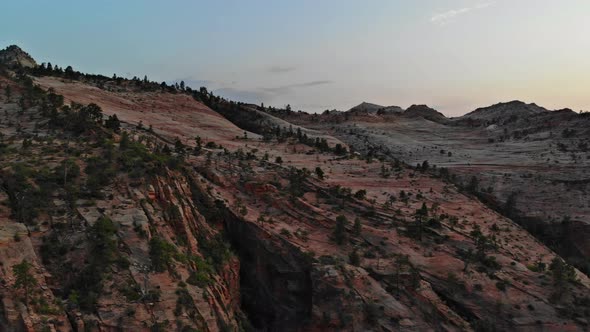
{"x": 15, "y": 56}
{"x": 425, "y": 112}
{"x": 369, "y": 108}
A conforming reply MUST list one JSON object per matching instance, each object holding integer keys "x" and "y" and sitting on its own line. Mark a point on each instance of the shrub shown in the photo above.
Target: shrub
{"x": 360, "y": 194}
{"x": 201, "y": 277}
{"x": 161, "y": 254}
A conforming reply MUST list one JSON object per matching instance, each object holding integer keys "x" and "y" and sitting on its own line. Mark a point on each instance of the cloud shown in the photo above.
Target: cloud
{"x": 281, "y": 69}
{"x": 252, "y": 95}
{"x": 287, "y": 88}
{"x": 448, "y": 16}
{"x": 312, "y": 83}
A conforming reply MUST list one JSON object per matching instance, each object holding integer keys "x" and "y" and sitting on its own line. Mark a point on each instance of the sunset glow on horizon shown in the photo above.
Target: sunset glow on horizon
{"x": 452, "y": 55}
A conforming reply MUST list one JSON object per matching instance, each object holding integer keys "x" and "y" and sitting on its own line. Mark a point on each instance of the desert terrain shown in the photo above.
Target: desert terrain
{"x": 176, "y": 218}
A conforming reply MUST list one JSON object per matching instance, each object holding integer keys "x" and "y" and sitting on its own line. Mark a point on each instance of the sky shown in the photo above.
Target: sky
{"x": 453, "y": 55}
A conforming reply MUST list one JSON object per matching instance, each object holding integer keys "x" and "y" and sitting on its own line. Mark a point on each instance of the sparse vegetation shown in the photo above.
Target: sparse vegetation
{"x": 24, "y": 279}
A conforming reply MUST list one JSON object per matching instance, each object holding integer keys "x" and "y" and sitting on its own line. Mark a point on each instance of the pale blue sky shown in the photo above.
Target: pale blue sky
{"x": 454, "y": 55}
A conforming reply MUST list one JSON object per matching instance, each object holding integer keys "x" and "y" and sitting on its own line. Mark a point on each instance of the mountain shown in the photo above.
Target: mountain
{"x": 424, "y": 112}
{"x": 130, "y": 205}
{"x": 14, "y": 55}
{"x": 501, "y": 112}
{"x": 370, "y": 108}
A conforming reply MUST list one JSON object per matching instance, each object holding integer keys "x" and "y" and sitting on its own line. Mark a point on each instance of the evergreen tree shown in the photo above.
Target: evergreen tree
{"x": 339, "y": 149}
{"x": 425, "y": 166}
{"x": 178, "y": 146}
{"x": 354, "y": 258}
{"x": 8, "y": 92}
{"x": 69, "y": 73}
{"x": 339, "y": 233}
{"x": 198, "y": 145}
{"x": 562, "y": 272}
{"x": 420, "y": 216}
{"x": 319, "y": 173}
{"x": 357, "y": 227}
{"x": 473, "y": 185}
{"x": 113, "y": 123}
{"x": 24, "y": 279}
{"x": 360, "y": 194}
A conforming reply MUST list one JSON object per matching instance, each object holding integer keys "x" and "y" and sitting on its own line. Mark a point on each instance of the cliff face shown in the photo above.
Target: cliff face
{"x": 108, "y": 249}
{"x": 148, "y": 228}
{"x": 190, "y": 290}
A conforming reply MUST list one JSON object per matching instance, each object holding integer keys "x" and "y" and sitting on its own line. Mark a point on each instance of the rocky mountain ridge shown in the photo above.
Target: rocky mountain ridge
{"x": 153, "y": 208}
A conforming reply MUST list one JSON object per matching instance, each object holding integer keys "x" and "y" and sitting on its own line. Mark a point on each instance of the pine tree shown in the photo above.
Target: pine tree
{"x": 339, "y": 233}
{"x": 8, "y": 92}
{"x": 357, "y": 228}
{"x": 420, "y": 216}
{"x": 24, "y": 279}
{"x": 319, "y": 172}
{"x": 113, "y": 123}
{"x": 354, "y": 258}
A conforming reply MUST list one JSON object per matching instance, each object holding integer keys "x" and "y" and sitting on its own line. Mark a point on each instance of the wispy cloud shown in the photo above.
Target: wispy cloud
{"x": 286, "y": 88}
{"x": 233, "y": 91}
{"x": 450, "y": 15}
{"x": 281, "y": 69}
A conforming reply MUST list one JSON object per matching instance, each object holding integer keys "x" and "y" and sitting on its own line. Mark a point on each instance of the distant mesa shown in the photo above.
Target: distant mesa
{"x": 505, "y": 110}
{"x": 15, "y": 56}
{"x": 369, "y": 108}
{"x": 414, "y": 111}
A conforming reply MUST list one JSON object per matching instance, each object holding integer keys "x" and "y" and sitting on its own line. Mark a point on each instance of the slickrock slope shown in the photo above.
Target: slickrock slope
{"x": 174, "y": 114}
{"x": 529, "y": 163}
{"x": 128, "y": 228}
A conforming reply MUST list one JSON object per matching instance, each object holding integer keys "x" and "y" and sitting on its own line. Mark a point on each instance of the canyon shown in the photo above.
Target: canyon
{"x": 139, "y": 206}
